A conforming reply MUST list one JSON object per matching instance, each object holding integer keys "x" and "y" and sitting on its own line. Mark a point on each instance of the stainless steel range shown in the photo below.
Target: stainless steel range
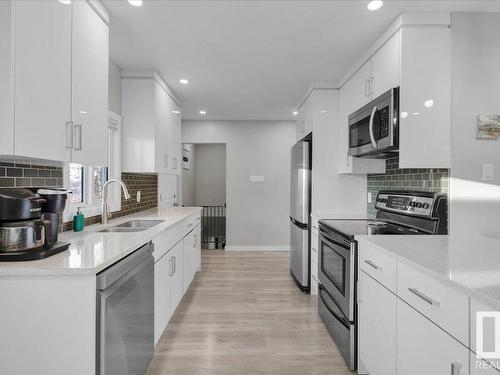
{"x": 398, "y": 212}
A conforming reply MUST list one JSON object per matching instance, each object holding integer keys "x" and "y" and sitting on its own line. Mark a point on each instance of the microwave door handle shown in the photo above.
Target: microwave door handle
{"x": 372, "y": 116}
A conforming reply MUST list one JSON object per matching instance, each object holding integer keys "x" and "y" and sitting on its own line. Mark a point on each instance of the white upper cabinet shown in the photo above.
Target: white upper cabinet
{"x": 151, "y": 140}
{"x": 354, "y": 94}
{"x": 89, "y": 85}
{"x": 54, "y": 92}
{"x": 386, "y": 67}
{"x": 42, "y": 35}
{"x": 425, "y": 98}
{"x": 413, "y": 54}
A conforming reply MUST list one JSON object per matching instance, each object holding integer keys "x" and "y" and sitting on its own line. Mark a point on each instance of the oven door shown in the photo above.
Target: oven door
{"x": 336, "y": 264}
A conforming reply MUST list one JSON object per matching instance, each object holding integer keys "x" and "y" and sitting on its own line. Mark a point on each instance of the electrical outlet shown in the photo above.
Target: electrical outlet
{"x": 138, "y": 196}
{"x": 488, "y": 172}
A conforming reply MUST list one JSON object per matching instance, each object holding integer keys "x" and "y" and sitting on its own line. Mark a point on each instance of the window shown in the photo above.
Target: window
{"x": 76, "y": 179}
{"x": 99, "y": 178}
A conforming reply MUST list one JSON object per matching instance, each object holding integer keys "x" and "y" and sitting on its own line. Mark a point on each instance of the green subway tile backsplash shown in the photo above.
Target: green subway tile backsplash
{"x": 435, "y": 180}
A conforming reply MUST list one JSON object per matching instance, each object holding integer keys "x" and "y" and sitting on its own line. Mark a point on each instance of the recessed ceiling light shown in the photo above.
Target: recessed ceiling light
{"x": 323, "y": 111}
{"x": 184, "y": 81}
{"x": 203, "y": 112}
{"x": 83, "y": 112}
{"x": 176, "y": 112}
{"x": 135, "y": 3}
{"x": 295, "y": 113}
{"x": 375, "y": 5}
{"x": 65, "y": 2}
{"x": 429, "y": 103}
{"x": 404, "y": 114}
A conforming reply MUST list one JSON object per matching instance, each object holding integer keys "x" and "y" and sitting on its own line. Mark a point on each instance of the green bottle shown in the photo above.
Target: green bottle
{"x": 78, "y": 221}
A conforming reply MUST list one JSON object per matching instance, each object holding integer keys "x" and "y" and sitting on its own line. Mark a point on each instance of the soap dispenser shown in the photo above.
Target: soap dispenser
{"x": 78, "y": 221}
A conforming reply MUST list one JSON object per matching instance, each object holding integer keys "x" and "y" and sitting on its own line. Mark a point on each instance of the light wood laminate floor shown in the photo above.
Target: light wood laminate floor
{"x": 243, "y": 314}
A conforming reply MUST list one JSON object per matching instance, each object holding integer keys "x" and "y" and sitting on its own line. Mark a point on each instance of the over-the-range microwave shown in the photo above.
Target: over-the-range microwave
{"x": 374, "y": 128}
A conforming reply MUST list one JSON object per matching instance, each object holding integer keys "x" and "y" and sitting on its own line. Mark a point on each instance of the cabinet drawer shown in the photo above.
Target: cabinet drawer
{"x": 442, "y": 304}
{"x": 378, "y": 265}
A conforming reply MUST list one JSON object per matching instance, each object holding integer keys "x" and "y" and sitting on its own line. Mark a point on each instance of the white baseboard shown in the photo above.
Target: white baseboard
{"x": 257, "y": 248}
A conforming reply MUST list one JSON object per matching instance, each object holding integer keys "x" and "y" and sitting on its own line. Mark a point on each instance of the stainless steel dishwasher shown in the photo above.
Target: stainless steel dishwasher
{"x": 125, "y": 315}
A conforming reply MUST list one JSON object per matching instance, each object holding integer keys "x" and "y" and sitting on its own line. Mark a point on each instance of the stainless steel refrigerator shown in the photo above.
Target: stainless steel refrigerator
{"x": 300, "y": 203}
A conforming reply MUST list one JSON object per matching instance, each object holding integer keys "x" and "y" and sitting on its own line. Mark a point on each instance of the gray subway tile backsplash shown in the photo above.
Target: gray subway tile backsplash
{"x": 29, "y": 175}
{"x": 433, "y": 179}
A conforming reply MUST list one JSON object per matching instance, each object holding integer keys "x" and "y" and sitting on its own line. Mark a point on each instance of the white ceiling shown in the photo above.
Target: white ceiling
{"x": 250, "y": 60}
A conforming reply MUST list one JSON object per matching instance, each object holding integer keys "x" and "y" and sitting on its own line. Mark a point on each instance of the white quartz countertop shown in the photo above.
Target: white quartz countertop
{"x": 468, "y": 263}
{"x": 90, "y": 251}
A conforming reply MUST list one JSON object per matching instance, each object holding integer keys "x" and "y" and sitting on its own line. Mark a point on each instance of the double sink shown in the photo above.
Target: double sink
{"x": 132, "y": 226}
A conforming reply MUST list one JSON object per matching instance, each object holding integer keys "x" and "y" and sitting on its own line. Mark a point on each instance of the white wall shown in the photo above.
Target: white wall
{"x": 188, "y": 196}
{"x": 475, "y": 205}
{"x": 114, "y": 88}
{"x": 257, "y": 213}
{"x": 210, "y": 161}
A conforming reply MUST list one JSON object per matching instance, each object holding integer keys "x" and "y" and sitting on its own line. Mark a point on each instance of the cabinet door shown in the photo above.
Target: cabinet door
{"x": 163, "y": 162}
{"x": 42, "y": 79}
{"x": 177, "y": 278}
{"x": 424, "y": 348}
{"x": 197, "y": 232}
{"x": 189, "y": 259}
{"x": 89, "y": 84}
{"x": 386, "y": 66}
{"x": 377, "y": 327}
{"x": 174, "y": 139}
{"x": 163, "y": 269}
{"x": 425, "y": 101}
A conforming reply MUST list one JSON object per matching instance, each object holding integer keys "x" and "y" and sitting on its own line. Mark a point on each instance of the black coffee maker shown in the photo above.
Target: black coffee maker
{"x": 29, "y": 223}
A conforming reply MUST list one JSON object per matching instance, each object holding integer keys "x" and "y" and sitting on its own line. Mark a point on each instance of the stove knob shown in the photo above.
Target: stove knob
{"x": 420, "y": 205}
{"x": 426, "y": 205}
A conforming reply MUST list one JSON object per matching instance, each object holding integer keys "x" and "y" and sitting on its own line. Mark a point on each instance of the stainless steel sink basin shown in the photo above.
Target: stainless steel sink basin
{"x": 140, "y": 224}
{"x": 122, "y": 230}
{"x": 132, "y": 226}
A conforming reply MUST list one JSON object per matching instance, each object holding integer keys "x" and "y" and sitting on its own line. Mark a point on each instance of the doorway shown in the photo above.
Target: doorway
{"x": 204, "y": 185}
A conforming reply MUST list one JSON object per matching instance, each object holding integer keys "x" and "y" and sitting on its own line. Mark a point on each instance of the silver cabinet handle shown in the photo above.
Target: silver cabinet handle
{"x": 175, "y": 264}
{"x": 370, "y": 126}
{"x": 79, "y": 135}
{"x": 456, "y": 368}
{"x": 69, "y": 135}
{"x": 371, "y": 86}
{"x": 427, "y": 299}
{"x": 374, "y": 265}
{"x": 171, "y": 267}
{"x": 195, "y": 240}
{"x": 367, "y": 84}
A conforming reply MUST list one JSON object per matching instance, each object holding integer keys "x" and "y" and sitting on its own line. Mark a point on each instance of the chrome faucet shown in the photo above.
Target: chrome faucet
{"x": 105, "y": 214}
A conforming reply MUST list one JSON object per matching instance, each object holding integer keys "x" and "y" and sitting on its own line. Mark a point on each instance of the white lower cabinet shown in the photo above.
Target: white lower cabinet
{"x": 424, "y": 348}
{"x": 377, "y": 328}
{"x": 192, "y": 255}
{"x": 162, "y": 294}
{"x": 177, "y": 258}
{"x": 176, "y": 276}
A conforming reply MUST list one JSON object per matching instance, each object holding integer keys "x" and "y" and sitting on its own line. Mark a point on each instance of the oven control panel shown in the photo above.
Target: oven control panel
{"x": 405, "y": 204}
